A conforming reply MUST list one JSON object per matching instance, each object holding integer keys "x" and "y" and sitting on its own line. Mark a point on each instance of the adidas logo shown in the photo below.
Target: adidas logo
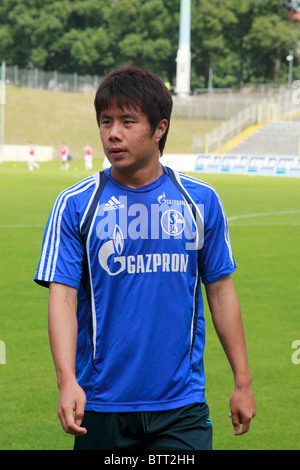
{"x": 113, "y": 204}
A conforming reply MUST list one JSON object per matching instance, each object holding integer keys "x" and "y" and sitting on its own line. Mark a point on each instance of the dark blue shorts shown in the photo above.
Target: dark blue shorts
{"x": 186, "y": 428}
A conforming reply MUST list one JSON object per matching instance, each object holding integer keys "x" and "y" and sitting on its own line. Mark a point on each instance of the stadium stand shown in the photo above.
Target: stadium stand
{"x": 262, "y": 140}
{"x": 275, "y": 138}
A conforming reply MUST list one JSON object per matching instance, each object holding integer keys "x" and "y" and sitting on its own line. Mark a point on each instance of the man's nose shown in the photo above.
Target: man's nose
{"x": 115, "y": 132}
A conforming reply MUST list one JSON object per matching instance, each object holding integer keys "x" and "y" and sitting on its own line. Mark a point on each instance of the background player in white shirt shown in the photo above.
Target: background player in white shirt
{"x": 64, "y": 155}
{"x": 88, "y": 158}
{"x": 32, "y": 164}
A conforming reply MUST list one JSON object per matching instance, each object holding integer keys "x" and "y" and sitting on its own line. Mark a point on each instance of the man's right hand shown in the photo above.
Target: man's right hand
{"x": 71, "y": 408}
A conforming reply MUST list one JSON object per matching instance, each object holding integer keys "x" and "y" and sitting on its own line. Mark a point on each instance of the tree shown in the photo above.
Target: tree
{"x": 144, "y": 34}
{"x": 245, "y": 40}
{"x": 273, "y": 37}
{"x": 207, "y": 39}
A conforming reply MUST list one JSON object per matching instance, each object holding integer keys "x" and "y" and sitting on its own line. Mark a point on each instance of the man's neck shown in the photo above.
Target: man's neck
{"x": 139, "y": 178}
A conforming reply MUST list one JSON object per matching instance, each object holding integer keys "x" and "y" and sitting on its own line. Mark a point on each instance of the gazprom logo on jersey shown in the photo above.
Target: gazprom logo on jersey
{"x": 113, "y": 247}
{"x": 179, "y": 223}
{"x": 147, "y": 263}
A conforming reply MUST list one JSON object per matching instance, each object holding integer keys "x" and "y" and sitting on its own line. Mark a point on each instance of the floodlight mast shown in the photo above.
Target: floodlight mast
{"x": 183, "y": 59}
{"x": 2, "y": 104}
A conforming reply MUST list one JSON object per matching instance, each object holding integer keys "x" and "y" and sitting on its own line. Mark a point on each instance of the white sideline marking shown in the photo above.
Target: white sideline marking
{"x": 275, "y": 224}
{"x": 264, "y": 214}
{"x": 22, "y": 226}
{"x": 229, "y": 219}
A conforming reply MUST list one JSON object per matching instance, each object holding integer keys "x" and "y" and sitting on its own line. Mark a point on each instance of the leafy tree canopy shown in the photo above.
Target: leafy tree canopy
{"x": 245, "y": 41}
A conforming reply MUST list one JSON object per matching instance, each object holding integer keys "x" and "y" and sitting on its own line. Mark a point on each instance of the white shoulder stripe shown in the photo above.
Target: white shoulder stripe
{"x": 195, "y": 180}
{"x": 97, "y": 182}
{"x": 54, "y": 223}
{"x": 59, "y": 226}
{"x": 207, "y": 185}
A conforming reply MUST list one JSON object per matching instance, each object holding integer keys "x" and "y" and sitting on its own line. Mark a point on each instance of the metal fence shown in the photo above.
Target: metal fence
{"x": 55, "y": 81}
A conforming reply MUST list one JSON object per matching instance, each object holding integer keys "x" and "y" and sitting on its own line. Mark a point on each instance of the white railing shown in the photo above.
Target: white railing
{"x": 257, "y": 113}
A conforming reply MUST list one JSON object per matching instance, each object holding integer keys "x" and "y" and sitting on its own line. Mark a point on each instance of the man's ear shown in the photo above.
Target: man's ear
{"x": 161, "y": 129}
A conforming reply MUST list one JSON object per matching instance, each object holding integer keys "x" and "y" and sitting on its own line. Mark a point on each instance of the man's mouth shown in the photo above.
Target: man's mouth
{"x": 117, "y": 152}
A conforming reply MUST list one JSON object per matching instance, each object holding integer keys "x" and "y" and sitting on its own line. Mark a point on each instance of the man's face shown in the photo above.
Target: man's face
{"x": 127, "y": 138}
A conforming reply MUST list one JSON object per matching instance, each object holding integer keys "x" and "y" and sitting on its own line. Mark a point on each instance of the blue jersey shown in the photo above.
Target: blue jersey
{"x": 137, "y": 258}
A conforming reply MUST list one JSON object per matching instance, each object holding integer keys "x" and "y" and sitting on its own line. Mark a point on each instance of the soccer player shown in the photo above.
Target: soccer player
{"x": 32, "y": 164}
{"x": 124, "y": 254}
{"x": 88, "y": 158}
{"x": 64, "y": 156}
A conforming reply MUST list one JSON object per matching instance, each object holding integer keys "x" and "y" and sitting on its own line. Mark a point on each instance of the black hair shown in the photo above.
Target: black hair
{"x": 132, "y": 87}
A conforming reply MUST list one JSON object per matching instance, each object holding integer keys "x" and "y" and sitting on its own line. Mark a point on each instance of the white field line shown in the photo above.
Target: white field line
{"x": 230, "y": 220}
{"x": 21, "y": 226}
{"x": 262, "y": 214}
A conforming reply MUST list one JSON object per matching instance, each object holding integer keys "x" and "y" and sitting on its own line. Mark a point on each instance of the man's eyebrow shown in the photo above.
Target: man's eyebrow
{"x": 104, "y": 115}
{"x": 125, "y": 115}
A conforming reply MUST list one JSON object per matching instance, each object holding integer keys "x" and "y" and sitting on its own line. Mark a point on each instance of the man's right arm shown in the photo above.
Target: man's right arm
{"x": 62, "y": 324}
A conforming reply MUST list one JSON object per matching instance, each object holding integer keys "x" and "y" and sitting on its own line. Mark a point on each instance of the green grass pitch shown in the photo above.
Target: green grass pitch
{"x": 264, "y": 221}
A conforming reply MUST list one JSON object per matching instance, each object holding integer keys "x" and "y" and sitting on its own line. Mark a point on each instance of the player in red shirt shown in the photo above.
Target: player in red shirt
{"x": 32, "y": 164}
{"x": 64, "y": 154}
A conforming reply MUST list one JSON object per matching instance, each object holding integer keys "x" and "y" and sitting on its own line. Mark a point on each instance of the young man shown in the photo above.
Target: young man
{"x": 124, "y": 254}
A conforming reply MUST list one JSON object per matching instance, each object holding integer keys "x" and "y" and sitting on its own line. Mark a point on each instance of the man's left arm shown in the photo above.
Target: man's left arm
{"x": 226, "y": 315}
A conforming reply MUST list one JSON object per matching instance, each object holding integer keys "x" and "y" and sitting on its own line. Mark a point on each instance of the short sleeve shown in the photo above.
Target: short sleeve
{"x": 62, "y": 251}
